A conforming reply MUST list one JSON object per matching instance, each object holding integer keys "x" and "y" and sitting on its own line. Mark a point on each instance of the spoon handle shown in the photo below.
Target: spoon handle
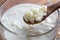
{"x": 53, "y": 7}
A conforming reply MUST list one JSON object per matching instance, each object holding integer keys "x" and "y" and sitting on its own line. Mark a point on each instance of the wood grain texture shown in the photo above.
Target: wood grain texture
{"x": 2, "y": 1}
{"x": 1, "y": 37}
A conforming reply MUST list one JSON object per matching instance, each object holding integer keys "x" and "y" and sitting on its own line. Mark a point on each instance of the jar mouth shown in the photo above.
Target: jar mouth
{"x": 30, "y": 35}
{"x": 26, "y": 35}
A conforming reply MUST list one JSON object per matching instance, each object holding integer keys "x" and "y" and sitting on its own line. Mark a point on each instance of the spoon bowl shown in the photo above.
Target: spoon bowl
{"x": 50, "y": 10}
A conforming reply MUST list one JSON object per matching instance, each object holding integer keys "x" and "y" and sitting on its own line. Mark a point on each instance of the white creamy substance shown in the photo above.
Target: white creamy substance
{"x": 13, "y": 20}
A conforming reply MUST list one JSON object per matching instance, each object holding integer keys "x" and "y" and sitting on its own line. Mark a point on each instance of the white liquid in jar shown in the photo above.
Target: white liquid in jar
{"x": 13, "y": 20}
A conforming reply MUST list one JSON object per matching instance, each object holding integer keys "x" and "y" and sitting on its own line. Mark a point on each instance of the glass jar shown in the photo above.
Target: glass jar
{"x": 10, "y": 35}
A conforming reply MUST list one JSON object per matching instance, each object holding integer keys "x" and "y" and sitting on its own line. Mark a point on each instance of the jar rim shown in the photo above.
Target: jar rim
{"x": 26, "y": 35}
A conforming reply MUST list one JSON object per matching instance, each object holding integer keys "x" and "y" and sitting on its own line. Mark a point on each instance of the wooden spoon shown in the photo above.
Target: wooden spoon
{"x": 50, "y": 9}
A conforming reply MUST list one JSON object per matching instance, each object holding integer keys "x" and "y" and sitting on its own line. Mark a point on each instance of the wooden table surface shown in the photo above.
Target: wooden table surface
{"x": 58, "y": 35}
